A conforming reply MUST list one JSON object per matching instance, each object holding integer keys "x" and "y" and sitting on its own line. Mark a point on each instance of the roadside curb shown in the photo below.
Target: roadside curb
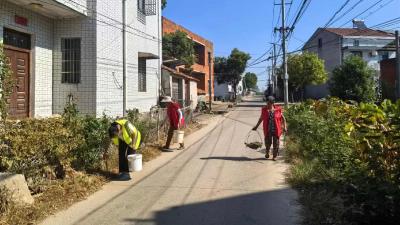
{"x": 113, "y": 189}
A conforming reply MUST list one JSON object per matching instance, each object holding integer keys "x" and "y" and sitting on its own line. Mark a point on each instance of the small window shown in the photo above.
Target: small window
{"x": 141, "y": 11}
{"x": 357, "y": 53}
{"x": 17, "y": 39}
{"x": 356, "y": 43}
{"x": 385, "y": 55}
{"x": 142, "y": 6}
{"x": 71, "y": 60}
{"x": 320, "y": 43}
{"x": 142, "y": 75}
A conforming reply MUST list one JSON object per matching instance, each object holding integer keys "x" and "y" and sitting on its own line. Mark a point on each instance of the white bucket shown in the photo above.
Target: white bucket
{"x": 179, "y": 134}
{"x": 135, "y": 162}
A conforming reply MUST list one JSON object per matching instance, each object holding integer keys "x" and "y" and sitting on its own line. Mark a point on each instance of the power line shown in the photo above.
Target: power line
{"x": 115, "y": 20}
{"x": 347, "y": 12}
{"x": 303, "y": 8}
{"x": 381, "y": 6}
{"x": 336, "y": 13}
{"x": 372, "y": 6}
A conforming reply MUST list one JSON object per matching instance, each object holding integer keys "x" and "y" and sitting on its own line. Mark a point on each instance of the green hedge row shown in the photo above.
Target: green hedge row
{"x": 350, "y": 152}
{"x": 43, "y": 149}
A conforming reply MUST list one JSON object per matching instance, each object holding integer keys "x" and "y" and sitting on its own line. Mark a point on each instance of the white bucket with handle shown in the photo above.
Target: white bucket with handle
{"x": 179, "y": 135}
{"x": 135, "y": 162}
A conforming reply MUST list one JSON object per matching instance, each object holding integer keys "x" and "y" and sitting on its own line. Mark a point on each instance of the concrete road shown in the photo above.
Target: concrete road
{"x": 216, "y": 181}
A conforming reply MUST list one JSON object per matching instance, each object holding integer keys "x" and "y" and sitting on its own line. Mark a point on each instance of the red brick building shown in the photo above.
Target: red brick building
{"x": 388, "y": 78}
{"x": 203, "y": 48}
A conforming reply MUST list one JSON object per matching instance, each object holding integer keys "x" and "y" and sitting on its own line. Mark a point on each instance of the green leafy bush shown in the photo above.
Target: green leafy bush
{"x": 350, "y": 150}
{"x": 89, "y": 155}
{"x": 354, "y": 80}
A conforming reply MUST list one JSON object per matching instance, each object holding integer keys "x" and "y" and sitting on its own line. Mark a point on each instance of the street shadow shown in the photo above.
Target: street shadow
{"x": 241, "y": 158}
{"x": 248, "y": 106}
{"x": 277, "y": 207}
{"x": 253, "y": 101}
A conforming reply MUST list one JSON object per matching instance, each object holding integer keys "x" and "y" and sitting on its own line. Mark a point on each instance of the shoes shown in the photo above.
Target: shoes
{"x": 124, "y": 176}
{"x": 167, "y": 149}
{"x": 181, "y": 147}
{"x": 267, "y": 156}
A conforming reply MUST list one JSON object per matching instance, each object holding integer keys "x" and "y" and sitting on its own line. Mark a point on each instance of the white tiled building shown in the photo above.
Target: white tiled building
{"x": 72, "y": 49}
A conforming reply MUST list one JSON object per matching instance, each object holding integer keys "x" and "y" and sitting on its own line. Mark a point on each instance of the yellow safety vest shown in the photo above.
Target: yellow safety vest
{"x": 128, "y": 133}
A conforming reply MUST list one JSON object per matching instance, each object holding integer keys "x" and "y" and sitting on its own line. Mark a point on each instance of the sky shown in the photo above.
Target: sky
{"x": 248, "y": 24}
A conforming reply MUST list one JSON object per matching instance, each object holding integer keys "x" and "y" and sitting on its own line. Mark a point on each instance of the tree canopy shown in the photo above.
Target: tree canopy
{"x": 250, "y": 80}
{"x": 305, "y": 69}
{"x": 163, "y": 4}
{"x": 177, "y": 45}
{"x": 231, "y": 68}
{"x": 353, "y": 80}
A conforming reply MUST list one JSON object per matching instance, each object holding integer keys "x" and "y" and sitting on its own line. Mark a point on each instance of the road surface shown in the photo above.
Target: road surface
{"x": 216, "y": 181}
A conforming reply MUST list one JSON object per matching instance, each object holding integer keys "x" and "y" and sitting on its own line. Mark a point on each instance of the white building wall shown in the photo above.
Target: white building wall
{"x": 109, "y": 92}
{"x": 77, "y": 5}
{"x": 84, "y": 93}
{"x": 41, "y": 30}
{"x": 140, "y": 38}
{"x": 193, "y": 94}
{"x": 146, "y": 37}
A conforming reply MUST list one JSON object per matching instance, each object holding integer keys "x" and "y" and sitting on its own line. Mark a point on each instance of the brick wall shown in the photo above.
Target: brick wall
{"x": 169, "y": 26}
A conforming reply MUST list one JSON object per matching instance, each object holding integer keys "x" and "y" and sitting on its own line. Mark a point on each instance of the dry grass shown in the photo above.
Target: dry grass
{"x": 60, "y": 194}
{"x": 150, "y": 152}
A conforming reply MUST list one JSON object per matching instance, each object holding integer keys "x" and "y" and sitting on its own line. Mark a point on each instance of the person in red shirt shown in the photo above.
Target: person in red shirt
{"x": 273, "y": 121}
{"x": 176, "y": 120}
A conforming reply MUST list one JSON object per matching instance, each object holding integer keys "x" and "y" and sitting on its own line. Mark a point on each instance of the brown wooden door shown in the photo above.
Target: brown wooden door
{"x": 19, "y": 99}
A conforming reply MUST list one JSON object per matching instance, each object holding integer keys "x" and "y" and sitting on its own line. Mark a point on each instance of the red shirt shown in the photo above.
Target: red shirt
{"x": 173, "y": 115}
{"x": 277, "y": 120}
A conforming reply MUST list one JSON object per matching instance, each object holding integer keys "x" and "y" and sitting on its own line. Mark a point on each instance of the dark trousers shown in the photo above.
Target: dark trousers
{"x": 274, "y": 141}
{"x": 169, "y": 137}
{"x": 123, "y": 151}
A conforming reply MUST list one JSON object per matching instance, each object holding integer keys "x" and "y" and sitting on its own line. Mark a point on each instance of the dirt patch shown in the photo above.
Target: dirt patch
{"x": 59, "y": 194}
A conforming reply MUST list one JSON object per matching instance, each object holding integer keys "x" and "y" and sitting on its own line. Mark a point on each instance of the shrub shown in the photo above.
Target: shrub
{"x": 350, "y": 150}
{"x": 353, "y": 80}
{"x": 6, "y": 83}
{"x": 89, "y": 155}
{"x": 38, "y": 147}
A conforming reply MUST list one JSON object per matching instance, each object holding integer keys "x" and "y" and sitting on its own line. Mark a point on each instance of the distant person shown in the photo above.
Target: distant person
{"x": 128, "y": 139}
{"x": 176, "y": 121}
{"x": 273, "y": 122}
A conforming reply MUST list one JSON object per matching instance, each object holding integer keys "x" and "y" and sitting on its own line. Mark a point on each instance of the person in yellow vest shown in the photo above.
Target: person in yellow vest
{"x": 128, "y": 139}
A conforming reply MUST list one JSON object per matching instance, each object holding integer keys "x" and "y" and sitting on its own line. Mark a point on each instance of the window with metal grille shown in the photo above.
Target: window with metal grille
{"x": 150, "y": 7}
{"x": 71, "y": 60}
{"x": 142, "y": 75}
{"x": 141, "y": 11}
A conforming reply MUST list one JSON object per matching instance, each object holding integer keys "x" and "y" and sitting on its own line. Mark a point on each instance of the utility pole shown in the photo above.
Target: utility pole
{"x": 283, "y": 30}
{"x": 209, "y": 79}
{"x": 273, "y": 69}
{"x": 124, "y": 69}
{"x": 397, "y": 66}
{"x": 285, "y": 73}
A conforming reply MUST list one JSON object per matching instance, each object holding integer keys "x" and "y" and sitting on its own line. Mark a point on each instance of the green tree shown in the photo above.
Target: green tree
{"x": 163, "y": 4}
{"x": 6, "y": 83}
{"x": 353, "y": 80}
{"x": 177, "y": 45}
{"x": 250, "y": 80}
{"x": 229, "y": 70}
{"x": 305, "y": 69}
